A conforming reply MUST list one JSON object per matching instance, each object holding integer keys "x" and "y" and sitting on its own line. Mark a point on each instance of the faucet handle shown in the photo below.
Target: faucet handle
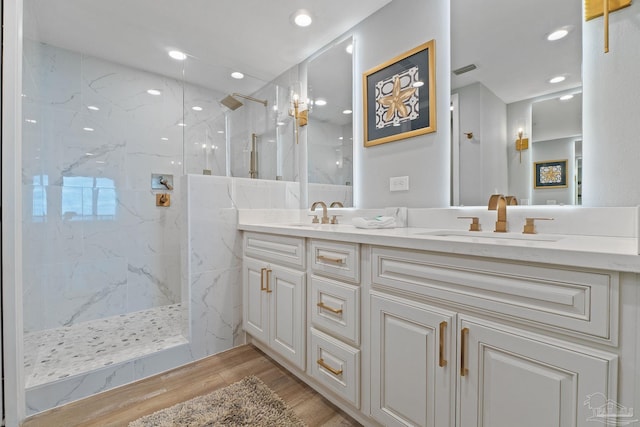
{"x": 529, "y": 225}
{"x": 475, "y": 222}
{"x": 315, "y": 220}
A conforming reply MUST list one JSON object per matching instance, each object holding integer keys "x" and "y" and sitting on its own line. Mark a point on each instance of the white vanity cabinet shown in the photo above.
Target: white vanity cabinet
{"x": 509, "y": 377}
{"x": 274, "y": 294}
{"x": 412, "y": 363}
{"x": 334, "y": 304}
{"x": 504, "y": 375}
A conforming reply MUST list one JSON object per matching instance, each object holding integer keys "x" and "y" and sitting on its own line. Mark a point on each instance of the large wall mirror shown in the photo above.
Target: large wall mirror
{"x": 330, "y": 131}
{"x": 508, "y": 71}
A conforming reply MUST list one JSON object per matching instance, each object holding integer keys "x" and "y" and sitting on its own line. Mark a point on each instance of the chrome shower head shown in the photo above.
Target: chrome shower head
{"x": 232, "y": 103}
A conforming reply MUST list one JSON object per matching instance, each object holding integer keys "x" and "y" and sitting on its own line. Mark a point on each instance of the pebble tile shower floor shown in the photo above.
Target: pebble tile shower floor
{"x": 66, "y": 351}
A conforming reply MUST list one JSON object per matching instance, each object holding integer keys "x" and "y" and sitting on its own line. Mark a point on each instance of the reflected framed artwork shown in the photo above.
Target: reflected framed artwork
{"x": 550, "y": 174}
{"x": 400, "y": 97}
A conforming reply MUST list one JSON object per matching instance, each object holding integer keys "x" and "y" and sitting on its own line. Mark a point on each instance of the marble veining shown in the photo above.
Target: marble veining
{"x": 59, "y": 353}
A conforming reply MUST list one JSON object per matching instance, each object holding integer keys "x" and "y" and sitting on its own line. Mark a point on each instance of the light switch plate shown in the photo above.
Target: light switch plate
{"x": 399, "y": 183}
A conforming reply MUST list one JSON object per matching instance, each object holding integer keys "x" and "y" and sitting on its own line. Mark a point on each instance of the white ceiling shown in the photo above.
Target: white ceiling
{"x": 505, "y": 39}
{"x": 255, "y": 37}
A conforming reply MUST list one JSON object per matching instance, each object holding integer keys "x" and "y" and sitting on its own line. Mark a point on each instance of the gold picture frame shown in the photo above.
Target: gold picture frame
{"x": 550, "y": 174}
{"x": 398, "y": 102}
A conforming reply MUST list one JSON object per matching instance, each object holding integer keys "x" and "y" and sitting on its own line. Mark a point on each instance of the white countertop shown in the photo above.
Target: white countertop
{"x": 599, "y": 252}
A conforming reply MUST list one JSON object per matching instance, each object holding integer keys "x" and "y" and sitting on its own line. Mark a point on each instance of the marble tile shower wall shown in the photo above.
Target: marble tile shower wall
{"x": 212, "y": 272}
{"x": 95, "y": 244}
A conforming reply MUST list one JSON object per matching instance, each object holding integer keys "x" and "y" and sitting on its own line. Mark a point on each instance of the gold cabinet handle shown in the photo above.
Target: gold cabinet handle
{"x": 329, "y": 368}
{"x": 264, "y": 274}
{"x": 262, "y": 287}
{"x": 442, "y": 361}
{"x": 267, "y": 271}
{"x": 331, "y": 309}
{"x": 330, "y": 259}
{"x": 464, "y": 336}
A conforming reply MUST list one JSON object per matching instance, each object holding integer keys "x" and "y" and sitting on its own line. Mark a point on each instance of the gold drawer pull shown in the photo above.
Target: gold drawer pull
{"x": 264, "y": 272}
{"x": 330, "y": 259}
{"x": 333, "y": 310}
{"x": 464, "y": 336}
{"x": 262, "y": 287}
{"x": 442, "y": 360}
{"x": 329, "y": 368}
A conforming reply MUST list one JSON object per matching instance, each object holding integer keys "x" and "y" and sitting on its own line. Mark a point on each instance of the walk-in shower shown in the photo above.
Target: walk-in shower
{"x": 232, "y": 102}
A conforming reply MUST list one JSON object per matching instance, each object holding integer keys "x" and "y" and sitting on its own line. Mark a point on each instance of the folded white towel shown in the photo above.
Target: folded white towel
{"x": 377, "y": 222}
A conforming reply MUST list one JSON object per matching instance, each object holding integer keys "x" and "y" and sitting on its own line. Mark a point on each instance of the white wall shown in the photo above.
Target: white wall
{"x": 611, "y": 144}
{"x": 556, "y": 149}
{"x": 426, "y": 158}
{"x": 483, "y": 158}
{"x": 520, "y": 164}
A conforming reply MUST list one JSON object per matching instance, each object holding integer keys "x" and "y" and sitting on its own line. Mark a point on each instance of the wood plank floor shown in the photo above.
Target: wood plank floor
{"x": 119, "y": 406}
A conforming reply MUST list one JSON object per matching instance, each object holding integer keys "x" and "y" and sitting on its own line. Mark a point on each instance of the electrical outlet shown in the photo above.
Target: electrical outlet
{"x": 399, "y": 183}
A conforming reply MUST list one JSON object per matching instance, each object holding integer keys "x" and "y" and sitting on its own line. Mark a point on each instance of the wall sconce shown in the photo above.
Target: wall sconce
{"x": 521, "y": 143}
{"x": 469, "y": 135}
{"x": 299, "y": 113}
{"x": 595, "y": 8}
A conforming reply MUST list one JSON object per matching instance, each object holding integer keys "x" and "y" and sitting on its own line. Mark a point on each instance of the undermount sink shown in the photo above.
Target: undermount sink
{"x": 491, "y": 235}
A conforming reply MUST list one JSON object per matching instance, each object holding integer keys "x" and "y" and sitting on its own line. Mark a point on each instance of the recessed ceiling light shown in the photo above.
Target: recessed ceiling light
{"x": 181, "y": 124}
{"x": 88, "y": 129}
{"x": 280, "y": 123}
{"x": 31, "y": 121}
{"x": 349, "y": 48}
{"x": 418, "y": 84}
{"x": 93, "y": 108}
{"x": 566, "y": 97}
{"x": 164, "y": 138}
{"x": 321, "y": 102}
{"x": 302, "y": 18}
{"x": 176, "y": 54}
{"x": 557, "y": 79}
{"x": 237, "y": 75}
{"x": 558, "y": 34}
{"x": 347, "y": 111}
{"x": 154, "y": 92}
{"x": 220, "y": 131}
{"x": 196, "y": 108}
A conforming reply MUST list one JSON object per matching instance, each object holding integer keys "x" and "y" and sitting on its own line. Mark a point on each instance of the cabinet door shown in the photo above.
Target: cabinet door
{"x": 287, "y": 307}
{"x": 255, "y": 309}
{"x": 412, "y": 365}
{"x": 509, "y": 377}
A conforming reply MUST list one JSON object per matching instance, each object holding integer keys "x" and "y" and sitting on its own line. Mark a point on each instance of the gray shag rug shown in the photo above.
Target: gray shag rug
{"x": 248, "y": 402}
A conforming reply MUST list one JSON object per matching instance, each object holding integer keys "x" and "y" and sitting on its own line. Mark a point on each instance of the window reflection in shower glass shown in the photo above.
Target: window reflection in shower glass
{"x": 87, "y": 198}
{"x": 39, "y": 203}
{"x": 84, "y": 198}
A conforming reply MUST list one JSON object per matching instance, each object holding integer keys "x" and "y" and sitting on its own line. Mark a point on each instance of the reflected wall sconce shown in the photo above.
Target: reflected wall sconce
{"x": 596, "y": 8}
{"x": 300, "y": 114}
{"x": 521, "y": 143}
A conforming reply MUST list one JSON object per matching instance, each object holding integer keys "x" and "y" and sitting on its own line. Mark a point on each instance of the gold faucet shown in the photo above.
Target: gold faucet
{"x": 325, "y": 218}
{"x": 499, "y": 202}
{"x": 334, "y": 218}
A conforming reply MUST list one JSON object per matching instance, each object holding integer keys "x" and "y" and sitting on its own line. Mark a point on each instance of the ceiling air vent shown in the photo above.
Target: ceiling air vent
{"x": 464, "y": 69}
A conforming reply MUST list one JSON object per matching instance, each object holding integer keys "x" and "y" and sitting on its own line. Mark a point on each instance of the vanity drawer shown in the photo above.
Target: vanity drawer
{"x": 565, "y": 299}
{"x": 336, "y": 365}
{"x": 336, "y": 259}
{"x": 283, "y": 250}
{"x": 335, "y": 307}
